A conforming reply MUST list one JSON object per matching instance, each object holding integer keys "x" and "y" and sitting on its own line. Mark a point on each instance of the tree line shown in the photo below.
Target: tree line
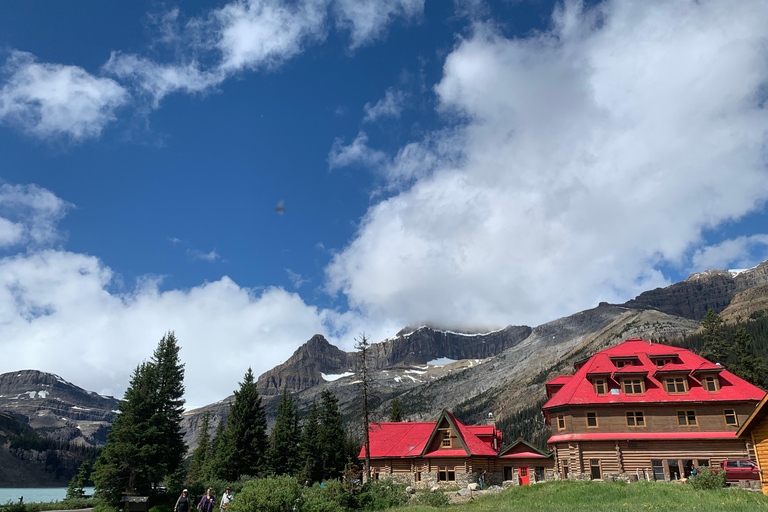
{"x": 145, "y": 448}
{"x": 741, "y": 347}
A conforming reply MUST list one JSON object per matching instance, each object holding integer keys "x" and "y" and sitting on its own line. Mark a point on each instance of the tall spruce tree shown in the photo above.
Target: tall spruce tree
{"x": 362, "y": 345}
{"x": 332, "y": 436}
{"x": 145, "y": 446}
{"x": 311, "y": 449}
{"x": 201, "y": 456}
{"x": 170, "y": 407}
{"x": 126, "y": 461}
{"x": 244, "y": 442}
{"x": 395, "y": 411}
{"x": 284, "y": 440}
{"x": 216, "y": 462}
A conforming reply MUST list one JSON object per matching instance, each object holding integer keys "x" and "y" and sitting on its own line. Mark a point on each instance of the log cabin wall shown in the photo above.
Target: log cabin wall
{"x": 759, "y": 436}
{"x": 710, "y": 417}
{"x": 636, "y": 457}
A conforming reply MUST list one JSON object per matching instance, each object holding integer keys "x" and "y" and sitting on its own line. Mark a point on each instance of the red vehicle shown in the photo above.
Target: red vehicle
{"x": 740, "y": 469}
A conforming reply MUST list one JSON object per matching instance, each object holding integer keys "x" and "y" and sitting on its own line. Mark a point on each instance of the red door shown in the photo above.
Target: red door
{"x": 524, "y": 478}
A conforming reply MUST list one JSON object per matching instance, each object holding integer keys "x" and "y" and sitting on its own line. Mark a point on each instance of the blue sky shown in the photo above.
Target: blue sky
{"x": 466, "y": 164}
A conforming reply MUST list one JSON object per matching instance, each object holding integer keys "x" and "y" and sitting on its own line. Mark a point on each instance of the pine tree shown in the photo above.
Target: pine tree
{"x": 365, "y": 382}
{"x": 78, "y": 483}
{"x": 284, "y": 440}
{"x": 716, "y": 347}
{"x": 331, "y": 436}
{"x": 311, "y": 449}
{"x": 395, "y": 411}
{"x": 216, "y": 462}
{"x": 198, "y": 468}
{"x": 126, "y": 461}
{"x": 244, "y": 443}
{"x": 168, "y": 415}
{"x": 145, "y": 446}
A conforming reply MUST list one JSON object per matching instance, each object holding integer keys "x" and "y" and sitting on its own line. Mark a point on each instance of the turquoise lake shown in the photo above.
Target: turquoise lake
{"x": 35, "y": 494}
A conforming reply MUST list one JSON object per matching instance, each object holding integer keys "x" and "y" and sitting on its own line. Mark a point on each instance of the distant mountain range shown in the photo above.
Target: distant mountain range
{"x": 426, "y": 368}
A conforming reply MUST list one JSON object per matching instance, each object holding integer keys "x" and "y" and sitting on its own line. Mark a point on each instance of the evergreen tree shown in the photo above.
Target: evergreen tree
{"x": 201, "y": 457}
{"x": 284, "y": 440}
{"x": 311, "y": 449}
{"x": 125, "y": 463}
{"x": 244, "y": 443}
{"x": 78, "y": 483}
{"x": 170, "y": 407}
{"x": 395, "y": 411}
{"x": 716, "y": 348}
{"x": 365, "y": 382}
{"x": 145, "y": 446}
{"x": 216, "y": 462}
{"x": 331, "y": 435}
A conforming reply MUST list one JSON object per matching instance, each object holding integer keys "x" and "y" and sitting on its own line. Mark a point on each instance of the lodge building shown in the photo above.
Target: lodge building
{"x": 649, "y": 410}
{"x": 448, "y": 452}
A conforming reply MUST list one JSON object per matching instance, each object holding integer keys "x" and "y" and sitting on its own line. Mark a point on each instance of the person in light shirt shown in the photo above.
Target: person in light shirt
{"x": 226, "y": 498}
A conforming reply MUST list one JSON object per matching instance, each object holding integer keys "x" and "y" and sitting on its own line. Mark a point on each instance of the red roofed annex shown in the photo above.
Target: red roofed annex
{"x": 423, "y": 454}
{"x": 648, "y": 410}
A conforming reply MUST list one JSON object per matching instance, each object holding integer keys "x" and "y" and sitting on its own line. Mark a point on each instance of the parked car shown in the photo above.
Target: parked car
{"x": 740, "y": 469}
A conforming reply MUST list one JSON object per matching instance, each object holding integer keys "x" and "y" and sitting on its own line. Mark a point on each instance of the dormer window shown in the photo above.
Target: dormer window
{"x": 711, "y": 383}
{"x": 676, "y": 385}
{"x": 633, "y": 386}
{"x": 601, "y": 386}
{"x": 663, "y": 360}
{"x": 621, "y": 363}
{"x": 446, "y": 439}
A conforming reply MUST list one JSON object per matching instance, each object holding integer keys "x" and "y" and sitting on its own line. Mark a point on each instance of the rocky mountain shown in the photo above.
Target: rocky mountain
{"x": 692, "y": 298}
{"x": 317, "y": 361}
{"x": 56, "y": 408}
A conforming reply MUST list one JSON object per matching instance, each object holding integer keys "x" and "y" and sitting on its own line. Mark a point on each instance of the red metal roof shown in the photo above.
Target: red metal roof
{"x": 578, "y": 390}
{"x": 559, "y": 381}
{"x": 409, "y": 439}
{"x": 640, "y": 436}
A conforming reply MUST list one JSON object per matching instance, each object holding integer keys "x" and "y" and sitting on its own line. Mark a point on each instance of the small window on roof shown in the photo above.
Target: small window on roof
{"x": 711, "y": 383}
{"x": 601, "y": 387}
{"x": 661, "y": 361}
{"x": 633, "y": 386}
{"x": 676, "y": 385}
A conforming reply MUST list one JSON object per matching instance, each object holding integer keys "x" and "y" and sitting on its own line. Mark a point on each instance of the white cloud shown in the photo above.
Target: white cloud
{"x": 29, "y": 214}
{"x": 297, "y": 279}
{"x": 57, "y": 100}
{"x": 205, "y": 256}
{"x": 59, "y": 313}
{"x": 740, "y": 252}
{"x": 356, "y": 153}
{"x": 391, "y": 105}
{"x": 367, "y": 20}
{"x": 588, "y": 154}
{"x": 250, "y": 35}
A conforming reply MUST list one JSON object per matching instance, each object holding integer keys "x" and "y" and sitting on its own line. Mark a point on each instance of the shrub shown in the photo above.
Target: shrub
{"x": 275, "y": 494}
{"x": 331, "y": 497}
{"x": 431, "y": 499}
{"x": 103, "y": 507}
{"x": 708, "y": 479}
{"x": 161, "y": 508}
{"x": 382, "y": 494}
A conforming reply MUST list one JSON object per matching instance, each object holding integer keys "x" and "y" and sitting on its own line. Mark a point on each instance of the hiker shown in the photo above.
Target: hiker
{"x": 481, "y": 479}
{"x": 207, "y": 502}
{"x": 182, "y": 504}
{"x": 226, "y": 498}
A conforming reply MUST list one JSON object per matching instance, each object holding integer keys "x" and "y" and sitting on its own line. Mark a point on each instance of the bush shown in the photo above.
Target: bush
{"x": 431, "y": 499}
{"x": 331, "y": 497}
{"x": 103, "y": 507}
{"x": 382, "y": 494}
{"x": 161, "y": 508}
{"x": 708, "y": 479}
{"x": 275, "y": 494}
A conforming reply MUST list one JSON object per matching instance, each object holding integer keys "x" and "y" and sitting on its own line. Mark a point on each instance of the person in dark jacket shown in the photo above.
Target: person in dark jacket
{"x": 207, "y": 502}
{"x": 183, "y": 504}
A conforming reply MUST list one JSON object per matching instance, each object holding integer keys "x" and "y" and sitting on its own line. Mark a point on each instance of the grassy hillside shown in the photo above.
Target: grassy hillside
{"x": 611, "y": 497}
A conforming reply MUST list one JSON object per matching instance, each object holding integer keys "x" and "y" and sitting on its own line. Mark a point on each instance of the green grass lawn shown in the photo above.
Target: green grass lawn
{"x": 599, "y": 497}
